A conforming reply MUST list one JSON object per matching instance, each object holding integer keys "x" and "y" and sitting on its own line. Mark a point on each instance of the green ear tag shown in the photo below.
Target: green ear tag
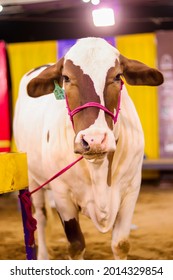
{"x": 58, "y": 91}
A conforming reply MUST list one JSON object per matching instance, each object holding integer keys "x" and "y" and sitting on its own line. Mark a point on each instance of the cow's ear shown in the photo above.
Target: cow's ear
{"x": 137, "y": 73}
{"x": 44, "y": 83}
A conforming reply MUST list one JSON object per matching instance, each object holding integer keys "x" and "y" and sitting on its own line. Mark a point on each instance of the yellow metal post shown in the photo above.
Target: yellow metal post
{"x": 14, "y": 177}
{"x": 13, "y": 172}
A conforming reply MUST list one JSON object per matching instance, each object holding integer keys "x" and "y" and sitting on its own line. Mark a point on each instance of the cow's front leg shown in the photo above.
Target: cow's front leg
{"x": 120, "y": 244}
{"x": 76, "y": 239}
{"x": 68, "y": 213}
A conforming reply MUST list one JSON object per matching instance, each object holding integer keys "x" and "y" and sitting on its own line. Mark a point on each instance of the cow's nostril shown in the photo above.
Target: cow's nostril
{"x": 85, "y": 144}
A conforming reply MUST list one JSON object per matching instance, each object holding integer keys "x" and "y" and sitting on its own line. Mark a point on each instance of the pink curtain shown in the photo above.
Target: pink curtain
{"x": 4, "y": 102}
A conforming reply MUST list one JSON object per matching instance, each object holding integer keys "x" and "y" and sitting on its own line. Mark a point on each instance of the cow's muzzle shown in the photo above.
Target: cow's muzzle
{"x": 93, "y": 144}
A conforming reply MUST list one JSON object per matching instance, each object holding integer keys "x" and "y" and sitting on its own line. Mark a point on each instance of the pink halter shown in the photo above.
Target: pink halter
{"x": 95, "y": 104}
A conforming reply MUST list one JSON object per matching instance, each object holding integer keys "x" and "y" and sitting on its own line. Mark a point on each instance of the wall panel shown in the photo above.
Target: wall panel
{"x": 25, "y": 56}
{"x": 143, "y": 47}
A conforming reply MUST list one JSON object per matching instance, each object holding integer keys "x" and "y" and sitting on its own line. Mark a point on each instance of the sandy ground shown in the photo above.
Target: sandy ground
{"x": 151, "y": 240}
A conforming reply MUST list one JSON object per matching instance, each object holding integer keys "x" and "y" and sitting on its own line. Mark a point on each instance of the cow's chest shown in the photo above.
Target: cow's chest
{"x": 94, "y": 199}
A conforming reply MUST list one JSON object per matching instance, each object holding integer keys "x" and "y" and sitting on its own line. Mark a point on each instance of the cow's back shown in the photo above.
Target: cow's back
{"x": 38, "y": 123}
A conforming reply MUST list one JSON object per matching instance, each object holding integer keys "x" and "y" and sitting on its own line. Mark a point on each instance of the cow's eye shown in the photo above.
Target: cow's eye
{"x": 118, "y": 77}
{"x": 66, "y": 79}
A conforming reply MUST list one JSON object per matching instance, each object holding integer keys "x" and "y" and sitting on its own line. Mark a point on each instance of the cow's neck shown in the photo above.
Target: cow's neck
{"x": 100, "y": 206}
{"x": 101, "y": 209}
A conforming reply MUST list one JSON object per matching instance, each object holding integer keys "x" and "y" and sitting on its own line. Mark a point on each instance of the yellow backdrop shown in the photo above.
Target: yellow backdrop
{"x": 25, "y": 56}
{"x": 143, "y": 47}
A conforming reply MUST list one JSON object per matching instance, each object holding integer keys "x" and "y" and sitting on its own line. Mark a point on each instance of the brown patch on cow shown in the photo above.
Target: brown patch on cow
{"x": 75, "y": 237}
{"x": 111, "y": 91}
{"x": 48, "y": 136}
{"x": 109, "y": 176}
{"x": 122, "y": 249}
{"x": 79, "y": 91}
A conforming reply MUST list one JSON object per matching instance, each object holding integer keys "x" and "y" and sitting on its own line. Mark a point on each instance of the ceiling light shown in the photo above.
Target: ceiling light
{"x": 1, "y": 8}
{"x": 103, "y": 17}
{"x": 95, "y": 2}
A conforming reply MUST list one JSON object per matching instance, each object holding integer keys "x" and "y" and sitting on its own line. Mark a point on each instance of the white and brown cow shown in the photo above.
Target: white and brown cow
{"x": 105, "y": 184}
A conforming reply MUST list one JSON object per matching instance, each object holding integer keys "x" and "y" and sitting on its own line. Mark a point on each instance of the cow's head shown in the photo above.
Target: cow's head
{"x": 91, "y": 72}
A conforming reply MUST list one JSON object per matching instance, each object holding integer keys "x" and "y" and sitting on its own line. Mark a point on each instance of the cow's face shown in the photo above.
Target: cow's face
{"x": 93, "y": 77}
{"x": 91, "y": 72}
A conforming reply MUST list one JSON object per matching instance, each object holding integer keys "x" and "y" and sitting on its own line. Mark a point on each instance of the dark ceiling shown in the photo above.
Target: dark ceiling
{"x": 63, "y": 19}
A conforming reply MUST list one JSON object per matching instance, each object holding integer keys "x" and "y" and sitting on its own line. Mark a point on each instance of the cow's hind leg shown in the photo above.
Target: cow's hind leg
{"x": 40, "y": 215}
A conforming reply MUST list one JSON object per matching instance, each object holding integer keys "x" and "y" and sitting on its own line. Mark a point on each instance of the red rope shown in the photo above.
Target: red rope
{"x": 31, "y": 223}
{"x": 57, "y": 174}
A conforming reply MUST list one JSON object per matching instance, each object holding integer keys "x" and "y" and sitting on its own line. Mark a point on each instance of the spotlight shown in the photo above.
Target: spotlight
{"x": 1, "y": 8}
{"x": 103, "y": 17}
{"x": 95, "y": 2}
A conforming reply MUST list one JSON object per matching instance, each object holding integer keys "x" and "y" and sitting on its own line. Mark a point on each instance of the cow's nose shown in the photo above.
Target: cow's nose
{"x": 94, "y": 143}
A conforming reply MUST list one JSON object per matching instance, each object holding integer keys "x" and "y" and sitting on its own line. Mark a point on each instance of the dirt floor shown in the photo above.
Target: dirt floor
{"x": 151, "y": 238}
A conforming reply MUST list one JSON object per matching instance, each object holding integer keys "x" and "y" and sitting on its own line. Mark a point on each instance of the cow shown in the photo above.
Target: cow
{"x": 96, "y": 119}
